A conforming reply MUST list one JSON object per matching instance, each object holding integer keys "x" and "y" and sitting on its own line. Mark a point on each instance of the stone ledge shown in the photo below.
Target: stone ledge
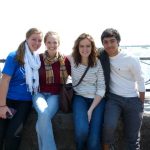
{"x": 64, "y": 133}
{"x": 145, "y": 135}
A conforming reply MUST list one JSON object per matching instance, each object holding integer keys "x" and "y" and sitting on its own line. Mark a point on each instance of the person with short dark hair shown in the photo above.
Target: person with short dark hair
{"x": 126, "y": 92}
{"x": 19, "y": 81}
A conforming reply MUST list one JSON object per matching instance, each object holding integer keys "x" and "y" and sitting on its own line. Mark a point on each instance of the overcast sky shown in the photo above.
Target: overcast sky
{"x": 70, "y": 18}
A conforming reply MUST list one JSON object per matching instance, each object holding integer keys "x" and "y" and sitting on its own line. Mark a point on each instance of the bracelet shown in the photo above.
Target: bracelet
{"x": 3, "y": 106}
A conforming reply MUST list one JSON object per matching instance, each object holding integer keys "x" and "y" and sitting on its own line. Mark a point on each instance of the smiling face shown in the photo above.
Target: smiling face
{"x": 110, "y": 39}
{"x": 34, "y": 41}
{"x": 111, "y": 46}
{"x": 51, "y": 41}
{"x": 85, "y": 48}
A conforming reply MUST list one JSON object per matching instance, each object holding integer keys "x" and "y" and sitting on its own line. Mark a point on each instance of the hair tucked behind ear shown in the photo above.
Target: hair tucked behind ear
{"x": 21, "y": 48}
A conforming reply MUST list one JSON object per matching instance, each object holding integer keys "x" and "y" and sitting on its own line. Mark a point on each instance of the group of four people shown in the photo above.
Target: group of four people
{"x": 107, "y": 91}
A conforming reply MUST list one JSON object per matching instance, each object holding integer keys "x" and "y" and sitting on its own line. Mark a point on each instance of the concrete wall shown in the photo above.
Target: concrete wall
{"x": 64, "y": 133}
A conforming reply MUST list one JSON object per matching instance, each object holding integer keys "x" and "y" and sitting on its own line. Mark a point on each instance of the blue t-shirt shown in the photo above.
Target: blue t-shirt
{"x": 17, "y": 87}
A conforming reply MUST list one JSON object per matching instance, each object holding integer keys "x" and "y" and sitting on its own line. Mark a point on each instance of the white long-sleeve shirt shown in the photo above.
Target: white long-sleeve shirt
{"x": 92, "y": 84}
{"x": 126, "y": 77}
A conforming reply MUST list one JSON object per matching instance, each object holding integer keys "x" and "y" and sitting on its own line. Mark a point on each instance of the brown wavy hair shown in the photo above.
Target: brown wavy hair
{"x": 20, "y": 51}
{"x": 76, "y": 54}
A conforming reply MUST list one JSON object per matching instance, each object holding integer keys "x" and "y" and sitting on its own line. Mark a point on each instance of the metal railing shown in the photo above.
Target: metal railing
{"x": 142, "y": 60}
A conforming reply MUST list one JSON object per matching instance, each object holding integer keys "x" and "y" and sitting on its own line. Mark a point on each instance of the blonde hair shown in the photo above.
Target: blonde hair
{"x": 51, "y": 33}
{"x": 20, "y": 51}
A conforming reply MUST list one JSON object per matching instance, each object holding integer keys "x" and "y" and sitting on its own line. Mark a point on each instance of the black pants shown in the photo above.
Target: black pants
{"x": 11, "y": 129}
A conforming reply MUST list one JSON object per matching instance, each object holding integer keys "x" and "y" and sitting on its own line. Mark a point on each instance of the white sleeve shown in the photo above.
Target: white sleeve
{"x": 138, "y": 74}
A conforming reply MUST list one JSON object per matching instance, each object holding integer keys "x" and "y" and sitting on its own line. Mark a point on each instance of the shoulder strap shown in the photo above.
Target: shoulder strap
{"x": 82, "y": 76}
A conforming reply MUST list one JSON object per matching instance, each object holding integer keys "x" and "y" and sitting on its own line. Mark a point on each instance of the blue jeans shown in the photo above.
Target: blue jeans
{"x": 87, "y": 135}
{"x": 46, "y": 106}
{"x": 131, "y": 110}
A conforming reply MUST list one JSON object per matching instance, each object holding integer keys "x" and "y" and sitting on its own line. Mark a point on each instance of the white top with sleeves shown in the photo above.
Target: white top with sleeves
{"x": 92, "y": 84}
{"x": 126, "y": 77}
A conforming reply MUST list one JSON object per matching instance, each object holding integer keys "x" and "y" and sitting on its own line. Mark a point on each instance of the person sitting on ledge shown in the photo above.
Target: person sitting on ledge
{"x": 16, "y": 88}
{"x": 126, "y": 92}
{"x": 53, "y": 72}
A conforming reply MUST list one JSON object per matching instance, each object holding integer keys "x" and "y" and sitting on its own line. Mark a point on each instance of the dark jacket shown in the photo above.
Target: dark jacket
{"x": 104, "y": 59}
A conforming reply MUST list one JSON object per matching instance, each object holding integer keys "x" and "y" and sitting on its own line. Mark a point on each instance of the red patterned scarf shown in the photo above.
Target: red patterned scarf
{"x": 48, "y": 67}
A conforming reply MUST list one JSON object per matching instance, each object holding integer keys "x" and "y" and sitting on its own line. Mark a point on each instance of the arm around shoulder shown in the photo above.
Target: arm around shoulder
{"x": 101, "y": 87}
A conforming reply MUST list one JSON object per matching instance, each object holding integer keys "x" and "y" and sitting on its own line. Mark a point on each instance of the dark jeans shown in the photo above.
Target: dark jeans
{"x": 11, "y": 129}
{"x": 87, "y": 135}
{"x": 131, "y": 111}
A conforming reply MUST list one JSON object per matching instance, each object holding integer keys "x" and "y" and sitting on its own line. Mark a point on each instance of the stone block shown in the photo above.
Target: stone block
{"x": 64, "y": 133}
